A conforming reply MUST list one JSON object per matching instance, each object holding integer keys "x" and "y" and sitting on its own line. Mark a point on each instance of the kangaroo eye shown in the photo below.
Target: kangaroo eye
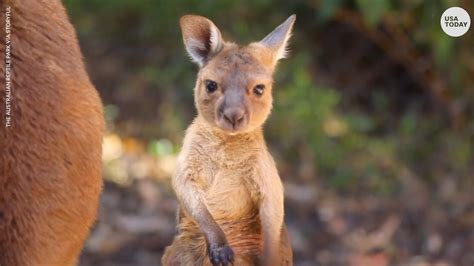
{"x": 258, "y": 90}
{"x": 211, "y": 86}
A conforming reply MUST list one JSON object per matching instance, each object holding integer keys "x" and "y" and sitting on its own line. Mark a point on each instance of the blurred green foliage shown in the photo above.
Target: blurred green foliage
{"x": 147, "y": 86}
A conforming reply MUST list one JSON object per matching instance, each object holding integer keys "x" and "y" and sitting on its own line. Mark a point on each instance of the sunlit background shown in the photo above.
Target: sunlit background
{"x": 372, "y": 128}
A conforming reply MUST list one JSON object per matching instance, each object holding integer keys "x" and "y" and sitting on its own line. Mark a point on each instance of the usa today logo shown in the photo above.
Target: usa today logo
{"x": 455, "y": 21}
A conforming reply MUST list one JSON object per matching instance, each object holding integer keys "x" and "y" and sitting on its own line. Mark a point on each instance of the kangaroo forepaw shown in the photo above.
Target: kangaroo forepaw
{"x": 221, "y": 255}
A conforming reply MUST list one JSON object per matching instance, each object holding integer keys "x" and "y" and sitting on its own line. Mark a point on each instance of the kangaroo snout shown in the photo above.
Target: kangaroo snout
{"x": 232, "y": 118}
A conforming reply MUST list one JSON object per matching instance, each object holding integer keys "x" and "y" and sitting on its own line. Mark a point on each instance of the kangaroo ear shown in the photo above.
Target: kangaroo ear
{"x": 277, "y": 40}
{"x": 201, "y": 37}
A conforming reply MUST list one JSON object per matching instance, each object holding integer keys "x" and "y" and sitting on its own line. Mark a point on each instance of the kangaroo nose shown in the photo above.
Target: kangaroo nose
{"x": 234, "y": 116}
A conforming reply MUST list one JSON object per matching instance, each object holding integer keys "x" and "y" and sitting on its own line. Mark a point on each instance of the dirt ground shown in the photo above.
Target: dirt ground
{"x": 420, "y": 226}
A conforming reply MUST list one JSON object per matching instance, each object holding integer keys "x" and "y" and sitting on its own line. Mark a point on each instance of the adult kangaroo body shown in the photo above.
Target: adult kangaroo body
{"x": 50, "y": 167}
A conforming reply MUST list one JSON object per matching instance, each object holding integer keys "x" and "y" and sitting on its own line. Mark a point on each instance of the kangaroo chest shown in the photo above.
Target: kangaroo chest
{"x": 231, "y": 190}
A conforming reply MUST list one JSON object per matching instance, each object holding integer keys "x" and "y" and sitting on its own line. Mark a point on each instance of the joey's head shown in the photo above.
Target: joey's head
{"x": 234, "y": 85}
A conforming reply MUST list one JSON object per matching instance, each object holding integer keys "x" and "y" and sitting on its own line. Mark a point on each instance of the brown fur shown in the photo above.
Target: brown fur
{"x": 50, "y": 169}
{"x": 227, "y": 184}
